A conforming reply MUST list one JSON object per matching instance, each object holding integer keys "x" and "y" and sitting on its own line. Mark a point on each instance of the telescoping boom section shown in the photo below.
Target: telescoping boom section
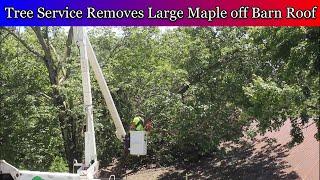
{"x": 87, "y": 56}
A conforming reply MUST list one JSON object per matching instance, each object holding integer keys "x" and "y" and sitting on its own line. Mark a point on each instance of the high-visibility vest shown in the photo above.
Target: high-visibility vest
{"x": 138, "y": 122}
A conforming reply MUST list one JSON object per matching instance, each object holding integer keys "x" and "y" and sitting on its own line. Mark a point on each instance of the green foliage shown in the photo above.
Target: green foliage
{"x": 200, "y": 87}
{"x": 289, "y": 84}
{"x": 58, "y": 165}
{"x": 30, "y": 136}
{"x": 272, "y": 104}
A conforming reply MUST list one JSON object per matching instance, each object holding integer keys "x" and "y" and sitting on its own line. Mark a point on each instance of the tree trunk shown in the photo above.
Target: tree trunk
{"x": 68, "y": 126}
{"x": 70, "y": 132}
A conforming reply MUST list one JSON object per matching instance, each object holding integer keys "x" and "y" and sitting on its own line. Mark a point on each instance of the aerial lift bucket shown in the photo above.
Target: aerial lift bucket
{"x": 138, "y": 143}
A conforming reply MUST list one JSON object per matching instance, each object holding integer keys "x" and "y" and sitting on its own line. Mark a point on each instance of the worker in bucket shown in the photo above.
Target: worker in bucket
{"x": 137, "y": 124}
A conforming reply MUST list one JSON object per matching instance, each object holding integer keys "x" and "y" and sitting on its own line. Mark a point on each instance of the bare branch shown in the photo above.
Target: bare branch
{"x": 68, "y": 44}
{"x": 45, "y": 95}
{"x": 67, "y": 53}
{"x": 23, "y": 42}
{"x": 54, "y": 51}
{"x": 48, "y": 59}
{"x": 5, "y": 36}
{"x": 47, "y": 34}
{"x": 41, "y": 40}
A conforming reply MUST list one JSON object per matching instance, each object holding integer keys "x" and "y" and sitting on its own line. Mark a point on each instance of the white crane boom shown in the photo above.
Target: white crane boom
{"x": 87, "y": 56}
{"x": 90, "y": 143}
{"x": 120, "y": 132}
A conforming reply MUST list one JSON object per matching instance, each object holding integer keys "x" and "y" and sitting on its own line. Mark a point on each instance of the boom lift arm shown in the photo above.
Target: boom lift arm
{"x": 120, "y": 132}
{"x": 87, "y": 56}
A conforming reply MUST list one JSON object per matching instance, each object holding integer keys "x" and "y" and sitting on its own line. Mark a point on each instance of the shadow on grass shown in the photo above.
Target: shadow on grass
{"x": 243, "y": 161}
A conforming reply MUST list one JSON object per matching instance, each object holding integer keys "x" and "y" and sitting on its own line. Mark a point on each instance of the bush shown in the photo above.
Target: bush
{"x": 59, "y": 165}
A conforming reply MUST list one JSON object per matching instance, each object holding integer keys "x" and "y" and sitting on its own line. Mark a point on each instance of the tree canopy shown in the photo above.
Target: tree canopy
{"x": 200, "y": 87}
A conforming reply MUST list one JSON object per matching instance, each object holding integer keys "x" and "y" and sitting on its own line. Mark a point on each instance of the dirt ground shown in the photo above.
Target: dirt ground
{"x": 265, "y": 157}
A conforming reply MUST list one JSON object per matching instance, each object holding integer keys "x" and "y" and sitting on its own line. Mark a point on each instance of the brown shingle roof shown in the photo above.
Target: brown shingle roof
{"x": 303, "y": 158}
